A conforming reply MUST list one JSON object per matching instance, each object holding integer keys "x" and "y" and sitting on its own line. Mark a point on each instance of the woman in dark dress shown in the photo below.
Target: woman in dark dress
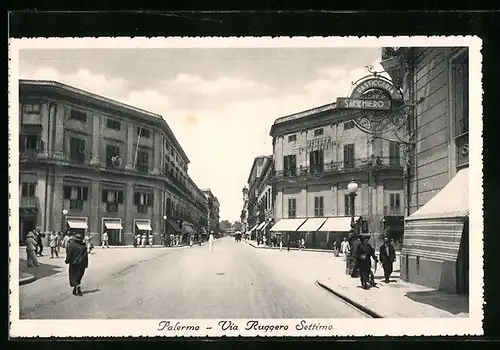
{"x": 78, "y": 260}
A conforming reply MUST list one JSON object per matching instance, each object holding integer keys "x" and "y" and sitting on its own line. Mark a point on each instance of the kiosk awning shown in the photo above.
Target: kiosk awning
{"x": 253, "y": 228}
{"x": 287, "y": 225}
{"x": 113, "y": 225}
{"x": 312, "y": 224}
{"x": 174, "y": 226}
{"x": 143, "y": 226}
{"x": 261, "y": 225}
{"x": 338, "y": 224}
{"x": 75, "y": 223}
{"x": 451, "y": 202}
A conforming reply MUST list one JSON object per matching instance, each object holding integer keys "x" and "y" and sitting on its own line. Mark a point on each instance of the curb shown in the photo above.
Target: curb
{"x": 357, "y": 305}
{"x": 27, "y": 279}
{"x": 285, "y": 248}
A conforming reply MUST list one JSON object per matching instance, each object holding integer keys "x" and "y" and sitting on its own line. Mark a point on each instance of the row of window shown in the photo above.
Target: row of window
{"x": 319, "y": 132}
{"x": 316, "y": 158}
{"x": 395, "y": 205}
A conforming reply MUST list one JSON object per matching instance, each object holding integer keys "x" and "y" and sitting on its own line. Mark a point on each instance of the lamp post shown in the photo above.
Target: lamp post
{"x": 164, "y": 230}
{"x": 352, "y": 187}
{"x": 64, "y": 212}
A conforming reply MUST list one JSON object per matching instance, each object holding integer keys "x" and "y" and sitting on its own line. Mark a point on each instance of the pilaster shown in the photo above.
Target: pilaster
{"x": 95, "y": 199}
{"x": 335, "y": 205}
{"x": 128, "y": 226}
{"x": 58, "y": 122}
{"x": 46, "y": 132}
{"x": 157, "y": 153}
{"x": 130, "y": 147}
{"x": 57, "y": 202}
{"x": 96, "y": 137}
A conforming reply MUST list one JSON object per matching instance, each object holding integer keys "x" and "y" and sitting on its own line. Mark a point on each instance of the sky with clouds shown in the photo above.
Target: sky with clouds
{"x": 220, "y": 103}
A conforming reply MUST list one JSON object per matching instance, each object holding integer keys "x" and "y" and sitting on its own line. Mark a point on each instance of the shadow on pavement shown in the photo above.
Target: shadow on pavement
{"x": 44, "y": 270}
{"x": 90, "y": 291}
{"x": 455, "y": 304}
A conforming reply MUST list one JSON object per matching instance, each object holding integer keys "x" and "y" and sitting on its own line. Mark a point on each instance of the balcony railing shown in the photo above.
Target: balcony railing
{"x": 29, "y": 202}
{"x": 340, "y": 167}
{"x": 393, "y": 211}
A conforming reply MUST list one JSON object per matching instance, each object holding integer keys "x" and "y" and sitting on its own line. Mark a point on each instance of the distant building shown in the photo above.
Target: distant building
{"x": 213, "y": 211}
{"x": 260, "y": 199}
{"x": 436, "y": 81}
{"x": 317, "y": 152}
{"x": 111, "y": 166}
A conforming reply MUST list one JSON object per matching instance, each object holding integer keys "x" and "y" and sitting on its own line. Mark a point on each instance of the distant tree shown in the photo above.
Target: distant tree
{"x": 224, "y": 225}
{"x": 237, "y": 226}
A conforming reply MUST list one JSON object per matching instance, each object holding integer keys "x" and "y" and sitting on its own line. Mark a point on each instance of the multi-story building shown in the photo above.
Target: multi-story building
{"x": 260, "y": 196}
{"x": 435, "y": 81}
{"x": 91, "y": 163}
{"x": 213, "y": 208}
{"x": 316, "y": 154}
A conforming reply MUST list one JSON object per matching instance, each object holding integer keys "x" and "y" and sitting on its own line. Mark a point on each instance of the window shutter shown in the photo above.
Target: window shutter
{"x": 120, "y": 197}
{"x": 397, "y": 200}
{"x": 85, "y": 193}
{"x": 67, "y": 192}
{"x": 136, "y": 198}
{"x": 111, "y": 197}
{"x": 150, "y": 201}
{"x": 104, "y": 196}
{"x": 21, "y": 143}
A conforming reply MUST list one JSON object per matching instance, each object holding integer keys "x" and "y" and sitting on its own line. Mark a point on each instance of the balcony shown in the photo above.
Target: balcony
{"x": 393, "y": 211}
{"x": 360, "y": 164}
{"x": 29, "y": 202}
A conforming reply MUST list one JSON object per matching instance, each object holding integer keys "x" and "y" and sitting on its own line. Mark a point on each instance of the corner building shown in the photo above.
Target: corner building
{"x": 316, "y": 154}
{"x": 113, "y": 167}
{"x": 436, "y": 234}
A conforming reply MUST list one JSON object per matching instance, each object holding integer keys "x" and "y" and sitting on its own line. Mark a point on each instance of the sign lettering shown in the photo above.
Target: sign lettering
{"x": 359, "y": 103}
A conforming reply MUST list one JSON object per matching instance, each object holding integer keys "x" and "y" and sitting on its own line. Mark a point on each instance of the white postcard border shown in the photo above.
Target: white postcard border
{"x": 340, "y": 327}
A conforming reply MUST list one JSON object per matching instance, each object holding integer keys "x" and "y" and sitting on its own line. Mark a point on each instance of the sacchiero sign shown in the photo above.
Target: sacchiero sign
{"x": 360, "y": 103}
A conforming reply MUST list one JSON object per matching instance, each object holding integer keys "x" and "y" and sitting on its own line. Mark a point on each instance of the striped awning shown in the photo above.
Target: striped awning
{"x": 287, "y": 225}
{"x": 312, "y": 225}
{"x": 266, "y": 225}
{"x": 113, "y": 225}
{"x": 77, "y": 223}
{"x": 261, "y": 225}
{"x": 143, "y": 225}
{"x": 434, "y": 239}
{"x": 253, "y": 228}
{"x": 451, "y": 202}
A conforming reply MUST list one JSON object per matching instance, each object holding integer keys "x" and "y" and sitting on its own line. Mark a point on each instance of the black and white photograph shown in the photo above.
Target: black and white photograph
{"x": 245, "y": 186}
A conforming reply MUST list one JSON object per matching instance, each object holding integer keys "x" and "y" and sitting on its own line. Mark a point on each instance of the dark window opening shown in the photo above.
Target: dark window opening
{"x": 113, "y": 124}
{"x": 292, "y": 207}
{"x": 143, "y": 132}
{"x": 318, "y": 206}
{"x": 78, "y": 116}
{"x": 142, "y": 162}
{"x": 318, "y": 132}
{"x": 394, "y": 153}
{"x": 32, "y": 108}
{"x": 28, "y": 189}
{"x": 290, "y": 165}
{"x": 316, "y": 161}
{"x": 349, "y": 125}
{"x": 292, "y": 138}
{"x": 395, "y": 202}
{"x": 349, "y": 155}
{"x": 77, "y": 150}
{"x": 112, "y": 156}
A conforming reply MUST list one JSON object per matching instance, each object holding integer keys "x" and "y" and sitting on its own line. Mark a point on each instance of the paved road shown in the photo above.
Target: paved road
{"x": 234, "y": 281}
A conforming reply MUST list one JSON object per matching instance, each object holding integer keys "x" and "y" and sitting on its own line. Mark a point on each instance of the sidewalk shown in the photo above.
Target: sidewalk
{"x": 395, "y": 299}
{"x": 254, "y": 244}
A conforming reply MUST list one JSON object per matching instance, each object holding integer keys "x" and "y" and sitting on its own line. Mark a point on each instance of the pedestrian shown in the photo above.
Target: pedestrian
{"x": 364, "y": 253}
{"x": 387, "y": 258}
{"x": 302, "y": 244}
{"x": 150, "y": 240}
{"x": 143, "y": 240}
{"x": 344, "y": 248}
{"x": 105, "y": 239}
{"x": 88, "y": 242}
{"x": 137, "y": 240}
{"x": 65, "y": 240}
{"x": 211, "y": 240}
{"x": 78, "y": 259}
{"x": 39, "y": 242}
{"x": 288, "y": 245}
{"x": 281, "y": 244}
{"x": 31, "y": 250}
{"x": 60, "y": 238}
{"x": 53, "y": 244}
{"x": 375, "y": 262}
{"x": 353, "y": 253}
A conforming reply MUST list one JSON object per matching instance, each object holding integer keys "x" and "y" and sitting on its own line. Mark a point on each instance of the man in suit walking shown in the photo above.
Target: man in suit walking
{"x": 387, "y": 258}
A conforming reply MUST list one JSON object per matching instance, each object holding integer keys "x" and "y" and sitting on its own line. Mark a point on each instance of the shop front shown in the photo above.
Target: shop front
{"x": 28, "y": 217}
{"x": 309, "y": 232}
{"x": 174, "y": 232}
{"x": 336, "y": 228}
{"x": 143, "y": 227}
{"x": 435, "y": 244}
{"x": 287, "y": 228}
{"x": 76, "y": 225}
{"x": 114, "y": 229}
{"x": 187, "y": 232}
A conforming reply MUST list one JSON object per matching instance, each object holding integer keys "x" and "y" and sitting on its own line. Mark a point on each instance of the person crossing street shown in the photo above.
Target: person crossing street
{"x": 78, "y": 260}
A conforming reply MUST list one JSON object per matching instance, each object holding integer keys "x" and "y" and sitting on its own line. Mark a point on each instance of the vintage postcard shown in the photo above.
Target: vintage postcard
{"x": 245, "y": 186}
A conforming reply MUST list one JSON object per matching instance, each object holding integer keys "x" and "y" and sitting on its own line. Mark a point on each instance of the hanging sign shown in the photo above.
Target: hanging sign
{"x": 375, "y": 98}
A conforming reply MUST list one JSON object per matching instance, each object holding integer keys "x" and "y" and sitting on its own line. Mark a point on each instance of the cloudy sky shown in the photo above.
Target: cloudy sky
{"x": 220, "y": 103}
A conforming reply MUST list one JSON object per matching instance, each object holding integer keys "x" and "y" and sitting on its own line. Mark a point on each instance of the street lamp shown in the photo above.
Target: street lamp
{"x": 352, "y": 187}
{"x": 64, "y": 212}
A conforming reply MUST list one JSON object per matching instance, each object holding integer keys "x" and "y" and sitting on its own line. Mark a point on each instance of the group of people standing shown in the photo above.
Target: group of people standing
{"x": 77, "y": 251}
{"x": 141, "y": 240}
{"x": 363, "y": 253}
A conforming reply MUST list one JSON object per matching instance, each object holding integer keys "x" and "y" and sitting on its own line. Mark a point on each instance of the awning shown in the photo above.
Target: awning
{"x": 174, "y": 225}
{"x": 143, "y": 226}
{"x": 261, "y": 225}
{"x": 203, "y": 231}
{"x": 77, "y": 223}
{"x": 312, "y": 225}
{"x": 253, "y": 228}
{"x": 338, "y": 224}
{"x": 287, "y": 225}
{"x": 113, "y": 225}
{"x": 451, "y": 202}
{"x": 187, "y": 229}
{"x": 265, "y": 226}
{"x": 435, "y": 230}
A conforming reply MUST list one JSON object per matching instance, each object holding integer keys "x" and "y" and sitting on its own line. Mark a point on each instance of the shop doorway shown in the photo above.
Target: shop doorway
{"x": 113, "y": 227}
{"x": 26, "y": 224}
{"x": 463, "y": 261}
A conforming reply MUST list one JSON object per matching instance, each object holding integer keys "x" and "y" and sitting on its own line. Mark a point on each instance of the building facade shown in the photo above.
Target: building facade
{"x": 90, "y": 163}
{"x": 316, "y": 154}
{"x": 213, "y": 211}
{"x": 436, "y": 82}
{"x": 260, "y": 198}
